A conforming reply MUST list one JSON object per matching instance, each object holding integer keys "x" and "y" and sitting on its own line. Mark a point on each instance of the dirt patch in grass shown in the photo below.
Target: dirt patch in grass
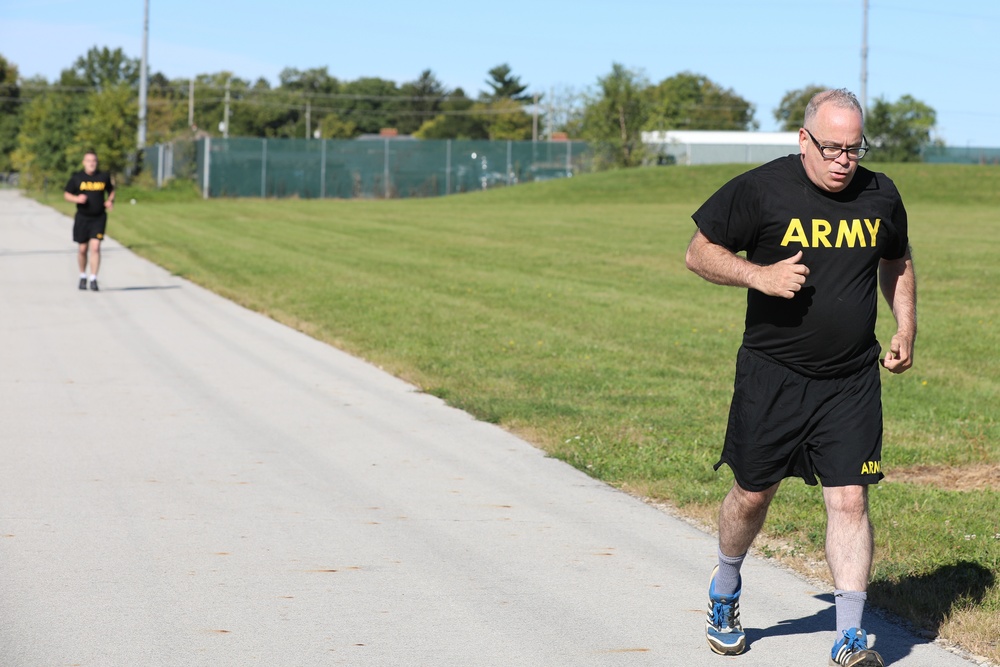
{"x": 974, "y": 477}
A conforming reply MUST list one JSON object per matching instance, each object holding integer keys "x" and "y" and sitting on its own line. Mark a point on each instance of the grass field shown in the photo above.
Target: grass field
{"x": 563, "y": 311}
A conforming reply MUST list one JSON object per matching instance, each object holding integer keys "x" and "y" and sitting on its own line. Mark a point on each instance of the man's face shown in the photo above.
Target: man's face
{"x": 90, "y": 163}
{"x": 832, "y": 126}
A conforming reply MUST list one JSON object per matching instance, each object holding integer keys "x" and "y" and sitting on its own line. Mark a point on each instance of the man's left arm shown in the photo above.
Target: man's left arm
{"x": 111, "y": 194}
{"x": 899, "y": 286}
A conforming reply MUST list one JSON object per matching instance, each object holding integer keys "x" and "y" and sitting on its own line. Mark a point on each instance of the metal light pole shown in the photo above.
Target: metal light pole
{"x": 864, "y": 58}
{"x": 143, "y": 79}
{"x": 225, "y": 121}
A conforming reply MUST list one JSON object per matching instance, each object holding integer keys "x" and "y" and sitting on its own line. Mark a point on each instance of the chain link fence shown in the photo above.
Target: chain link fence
{"x": 376, "y": 168}
{"x": 389, "y": 167}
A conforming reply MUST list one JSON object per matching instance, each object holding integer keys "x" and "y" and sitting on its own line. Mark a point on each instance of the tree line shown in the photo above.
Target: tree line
{"x": 625, "y": 104}
{"x": 46, "y": 126}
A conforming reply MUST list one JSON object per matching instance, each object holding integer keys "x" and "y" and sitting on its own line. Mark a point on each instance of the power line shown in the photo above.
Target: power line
{"x": 936, "y": 12}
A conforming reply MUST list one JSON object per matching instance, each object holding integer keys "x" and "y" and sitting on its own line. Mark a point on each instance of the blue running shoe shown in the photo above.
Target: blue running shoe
{"x": 851, "y": 650}
{"x": 722, "y": 627}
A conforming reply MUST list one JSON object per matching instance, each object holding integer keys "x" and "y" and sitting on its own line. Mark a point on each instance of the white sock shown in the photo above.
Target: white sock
{"x": 93, "y": 277}
{"x": 83, "y": 275}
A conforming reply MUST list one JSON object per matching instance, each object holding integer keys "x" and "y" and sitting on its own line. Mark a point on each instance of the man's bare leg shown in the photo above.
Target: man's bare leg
{"x": 850, "y": 546}
{"x": 95, "y": 257}
{"x": 741, "y": 517}
{"x": 849, "y": 536}
{"x": 81, "y": 258}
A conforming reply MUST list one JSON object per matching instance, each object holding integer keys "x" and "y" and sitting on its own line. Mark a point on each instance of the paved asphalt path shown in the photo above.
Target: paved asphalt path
{"x": 186, "y": 482}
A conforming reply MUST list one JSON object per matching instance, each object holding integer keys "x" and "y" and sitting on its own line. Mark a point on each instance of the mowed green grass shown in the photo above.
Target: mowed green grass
{"x": 563, "y": 311}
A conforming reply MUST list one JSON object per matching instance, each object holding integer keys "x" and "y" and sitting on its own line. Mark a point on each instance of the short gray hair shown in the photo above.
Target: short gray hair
{"x": 841, "y": 98}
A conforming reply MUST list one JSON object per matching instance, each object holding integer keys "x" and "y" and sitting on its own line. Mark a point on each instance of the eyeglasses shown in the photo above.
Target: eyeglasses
{"x": 854, "y": 153}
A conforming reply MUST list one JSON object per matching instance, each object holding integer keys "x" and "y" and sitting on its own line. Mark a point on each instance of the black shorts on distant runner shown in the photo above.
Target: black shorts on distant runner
{"x": 783, "y": 424}
{"x": 86, "y": 228}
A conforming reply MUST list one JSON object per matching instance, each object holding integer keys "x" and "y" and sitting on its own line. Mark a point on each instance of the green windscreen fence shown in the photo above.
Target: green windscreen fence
{"x": 960, "y": 155}
{"x": 362, "y": 168}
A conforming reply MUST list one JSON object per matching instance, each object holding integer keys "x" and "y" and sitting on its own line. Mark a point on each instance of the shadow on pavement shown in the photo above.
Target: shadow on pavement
{"x": 824, "y": 620}
{"x": 926, "y": 599}
{"x": 140, "y": 288}
{"x": 71, "y": 251}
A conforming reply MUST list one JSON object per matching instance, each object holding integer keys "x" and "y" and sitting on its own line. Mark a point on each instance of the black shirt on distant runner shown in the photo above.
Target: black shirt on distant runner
{"x": 772, "y": 212}
{"x": 96, "y": 186}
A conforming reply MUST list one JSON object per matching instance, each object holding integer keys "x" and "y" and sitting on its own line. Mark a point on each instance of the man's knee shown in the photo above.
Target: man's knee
{"x": 847, "y": 500}
{"x": 753, "y": 501}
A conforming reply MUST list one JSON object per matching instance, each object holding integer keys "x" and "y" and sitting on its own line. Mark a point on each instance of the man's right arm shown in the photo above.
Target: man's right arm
{"x": 721, "y": 266}
{"x": 68, "y": 194}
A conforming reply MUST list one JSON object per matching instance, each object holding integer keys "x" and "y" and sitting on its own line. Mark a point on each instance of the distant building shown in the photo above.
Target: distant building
{"x": 718, "y": 147}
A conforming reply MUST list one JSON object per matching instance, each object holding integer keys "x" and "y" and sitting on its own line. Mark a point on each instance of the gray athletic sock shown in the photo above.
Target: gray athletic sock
{"x": 850, "y": 606}
{"x": 727, "y": 579}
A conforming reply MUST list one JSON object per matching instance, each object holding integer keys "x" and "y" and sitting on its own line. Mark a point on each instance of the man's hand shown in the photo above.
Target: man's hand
{"x": 900, "y": 355}
{"x": 783, "y": 279}
{"x": 81, "y": 198}
{"x": 899, "y": 285}
{"x": 109, "y": 203}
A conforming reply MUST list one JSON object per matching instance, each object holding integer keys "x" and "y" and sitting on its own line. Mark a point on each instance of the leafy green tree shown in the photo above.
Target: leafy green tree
{"x": 422, "y": 101}
{"x": 614, "y": 116}
{"x": 10, "y": 111}
{"x": 281, "y": 112}
{"x": 688, "y": 101}
{"x": 375, "y": 106}
{"x": 316, "y": 81}
{"x": 108, "y": 127}
{"x": 505, "y": 86}
{"x": 505, "y": 119}
{"x": 167, "y": 109}
{"x": 333, "y": 126}
{"x": 102, "y": 67}
{"x": 209, "y": 109}
{"x": 792, "y": 109}
{"x": 48, "y": 125}
{"x": 899, "y": 130}
{"x": 457, "y": 120}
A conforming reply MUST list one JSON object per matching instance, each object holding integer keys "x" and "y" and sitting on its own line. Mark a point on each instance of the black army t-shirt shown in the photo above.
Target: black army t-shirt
{"x": 772, "y": 212}
{"x": 95, "y": 186}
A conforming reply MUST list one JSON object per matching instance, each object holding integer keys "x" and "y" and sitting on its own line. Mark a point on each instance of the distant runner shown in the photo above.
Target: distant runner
{"x": 820, "y": 233}
{"x": 93, "y": 192}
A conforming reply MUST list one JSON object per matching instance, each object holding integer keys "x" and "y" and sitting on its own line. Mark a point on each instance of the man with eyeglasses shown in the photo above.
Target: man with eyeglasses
{"x": 819, "y": 232}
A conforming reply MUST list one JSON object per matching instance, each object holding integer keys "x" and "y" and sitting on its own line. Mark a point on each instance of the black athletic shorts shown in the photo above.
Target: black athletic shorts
{"x": 783, "y": 424}
{"x": 86, "y": 228}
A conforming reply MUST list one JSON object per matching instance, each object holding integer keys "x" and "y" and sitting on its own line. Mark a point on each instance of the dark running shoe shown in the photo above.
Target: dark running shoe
{"x": 93, "y": 285}
{"x": 83, "y": 283}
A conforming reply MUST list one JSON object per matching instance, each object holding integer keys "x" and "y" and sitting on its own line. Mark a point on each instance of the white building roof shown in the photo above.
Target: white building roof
{"x": 721, "y": 137}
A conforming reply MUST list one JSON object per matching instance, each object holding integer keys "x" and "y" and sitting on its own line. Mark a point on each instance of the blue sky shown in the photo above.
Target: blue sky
{"x": 942, "y": 53}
